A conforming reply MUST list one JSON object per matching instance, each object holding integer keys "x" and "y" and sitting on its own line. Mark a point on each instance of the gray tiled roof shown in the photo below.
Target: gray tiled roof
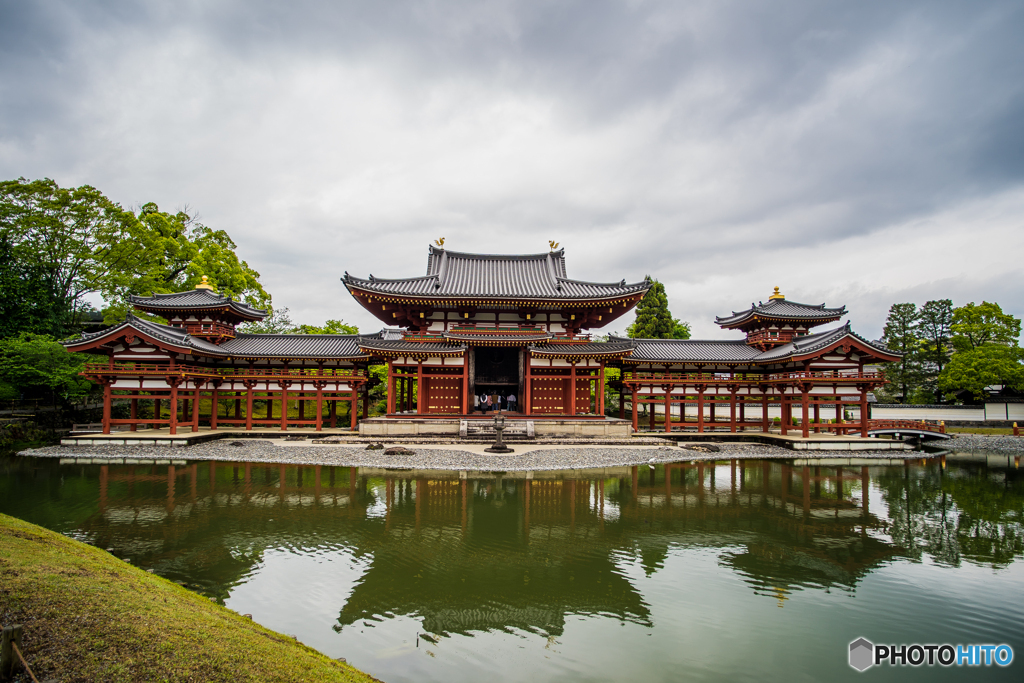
{"x": 198, "y": 299}
{"x": 412, "y": 348}
{"x": 539, "y": 336}
{"x": 692, "y": 350}
{"x": 782, "y": 309}
{"x": 528, "y": 276}
{"x": 813, "y": 342}
{"x": 316, "y": 346}
{"x": 175, "y": 337}
{"x": 617, "y": 347}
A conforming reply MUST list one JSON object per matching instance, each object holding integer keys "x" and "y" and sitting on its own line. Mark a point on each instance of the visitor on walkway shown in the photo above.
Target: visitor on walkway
{"x": 512, "y": 403}
{"x": 489, "y": 404}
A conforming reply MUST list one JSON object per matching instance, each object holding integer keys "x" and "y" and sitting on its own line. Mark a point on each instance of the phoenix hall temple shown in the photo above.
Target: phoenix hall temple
{"x": 482, "y": 324}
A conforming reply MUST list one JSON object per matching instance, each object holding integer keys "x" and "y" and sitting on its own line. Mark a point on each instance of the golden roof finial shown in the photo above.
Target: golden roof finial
{"x": 205, "y": 284}
{"x": 776, "y": 295}
{"x": 553, "y": 244}
{"x": 440, "y": 242}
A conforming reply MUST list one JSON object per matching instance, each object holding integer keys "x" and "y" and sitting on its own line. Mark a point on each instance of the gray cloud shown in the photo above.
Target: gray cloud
{"x": 859, "y": 153}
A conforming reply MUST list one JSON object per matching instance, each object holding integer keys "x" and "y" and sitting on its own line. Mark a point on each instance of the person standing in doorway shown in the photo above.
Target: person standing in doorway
{"x": 489, "y": 404}
{"x": 512, "y": 403}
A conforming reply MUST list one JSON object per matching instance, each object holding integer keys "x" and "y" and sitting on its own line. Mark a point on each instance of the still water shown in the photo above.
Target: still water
{"x": 728, "y": 570}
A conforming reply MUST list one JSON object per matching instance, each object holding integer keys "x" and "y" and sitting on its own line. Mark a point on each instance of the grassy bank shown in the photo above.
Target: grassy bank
{"x": 88, "y": 616}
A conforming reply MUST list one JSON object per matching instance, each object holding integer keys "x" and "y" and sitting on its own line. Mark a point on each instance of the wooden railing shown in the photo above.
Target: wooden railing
{"x": 762, "y": 336}
{"x": 135, "y": 369}
{"x": 208, "y": 329}
{"x": 916, "y": 425}
{"x": 640, "y": 377}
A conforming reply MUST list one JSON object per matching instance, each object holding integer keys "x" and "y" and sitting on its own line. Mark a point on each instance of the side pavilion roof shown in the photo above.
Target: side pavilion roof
{"x": 198, "y": 300}
{"x": 781, "y": 310}
{"x": 525, "y": 276}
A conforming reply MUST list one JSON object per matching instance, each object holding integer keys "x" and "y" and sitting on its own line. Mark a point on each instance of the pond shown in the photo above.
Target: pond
{"x": 727, "y": 570}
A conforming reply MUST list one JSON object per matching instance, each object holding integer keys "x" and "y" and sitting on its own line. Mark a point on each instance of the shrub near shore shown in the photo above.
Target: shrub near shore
{"x": 88, "y": 616}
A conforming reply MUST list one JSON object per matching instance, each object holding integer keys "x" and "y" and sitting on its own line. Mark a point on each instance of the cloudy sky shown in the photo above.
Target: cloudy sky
{"x": 863, "y": 153}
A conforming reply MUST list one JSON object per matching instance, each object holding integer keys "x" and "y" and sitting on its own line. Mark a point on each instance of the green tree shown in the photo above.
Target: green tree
{"x": 39, "y": 367}
{"x": 974, "y": 326}
{"x": 67, "y": 243}
{"x": 329, "y": 327}
{"x": 900, "y": 334}
{"x": 986, "y": 351}
{"x": 654, "y": 320}
{"x": 934, "y": 329}
{"x": 175, "y": 252}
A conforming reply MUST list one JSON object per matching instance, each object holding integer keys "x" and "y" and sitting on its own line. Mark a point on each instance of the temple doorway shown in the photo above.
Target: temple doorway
{"x": 496, "y": 372}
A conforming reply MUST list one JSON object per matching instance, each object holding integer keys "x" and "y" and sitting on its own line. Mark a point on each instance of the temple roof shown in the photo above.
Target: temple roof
{"x": 174, "y": 337}
{"x": 196, "y": 299}
{"x": 780, "y": 309}
{"x": 691, "y": 350}
{"x": 801, "y": 346}
{"x": 738, "y": 352}
{"x": 619, "y": 347}
{"x": 297, "y": 346}
{"x": 397, "y": 347}
{"x": 525, "y": 276}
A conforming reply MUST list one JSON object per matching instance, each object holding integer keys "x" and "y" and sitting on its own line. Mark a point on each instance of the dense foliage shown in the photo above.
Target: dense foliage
{"x": 951, "y": 353}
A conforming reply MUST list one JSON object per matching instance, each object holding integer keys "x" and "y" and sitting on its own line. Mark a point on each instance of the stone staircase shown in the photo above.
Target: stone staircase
{"x": 483, "y": 430}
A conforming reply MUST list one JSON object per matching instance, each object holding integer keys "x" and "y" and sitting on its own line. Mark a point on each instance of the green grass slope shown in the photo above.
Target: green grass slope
{"x": 88, "y": 616}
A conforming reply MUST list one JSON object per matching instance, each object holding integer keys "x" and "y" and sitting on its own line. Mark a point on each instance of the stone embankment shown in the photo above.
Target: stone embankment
{"x": 984, "y": 442}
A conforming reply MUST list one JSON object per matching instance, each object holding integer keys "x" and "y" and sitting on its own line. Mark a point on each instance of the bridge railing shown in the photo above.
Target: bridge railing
{"x": 917, "y": 425}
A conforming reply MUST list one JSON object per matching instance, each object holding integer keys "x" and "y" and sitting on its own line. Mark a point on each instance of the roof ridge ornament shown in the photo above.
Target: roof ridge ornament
{"x": 777, "y": 295}
{"x": 205, "y": 284}
{"x": 553, "y": 244}
{"x": 440, "y": 243}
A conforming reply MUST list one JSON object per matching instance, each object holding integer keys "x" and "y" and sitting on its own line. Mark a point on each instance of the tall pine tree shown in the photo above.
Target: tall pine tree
{"x": 654, "y": 320}
{"x": 900, "y": 334}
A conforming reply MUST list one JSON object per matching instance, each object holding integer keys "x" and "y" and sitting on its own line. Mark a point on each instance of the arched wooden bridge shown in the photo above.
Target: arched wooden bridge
{"x": 918, "y": 429}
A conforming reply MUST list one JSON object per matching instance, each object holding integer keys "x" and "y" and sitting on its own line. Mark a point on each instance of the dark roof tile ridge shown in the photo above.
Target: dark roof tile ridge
{"x": 377, "y": 280}
{"x": 468, "y": 255}
{"x": 620, "y": 283}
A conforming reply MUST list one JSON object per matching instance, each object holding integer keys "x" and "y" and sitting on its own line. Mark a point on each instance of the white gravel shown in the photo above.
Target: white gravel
{"x": 527, "y": 457}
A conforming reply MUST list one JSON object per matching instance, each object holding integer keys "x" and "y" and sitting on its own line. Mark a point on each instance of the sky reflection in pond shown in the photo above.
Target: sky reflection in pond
{"x": 739, "y": 570}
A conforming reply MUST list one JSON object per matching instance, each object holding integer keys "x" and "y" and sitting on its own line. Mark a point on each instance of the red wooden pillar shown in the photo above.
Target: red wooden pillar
{"x": 106, "y": 406}
{"x": 600, "y": 390}
{"x": 319, "y": 406}
{"x": 333, "y": 410}
{"x": 156, "y": 411}
{"x": 806, "y": 416}
{"x": 572, "y": 390}
{"x": 743, "y": 411}
{"x": 391, "y": 386}
{"x": 817, "y": 416}
{"x": 668, "y": 408}
{"x": 465, "y": 384}
{"x": 784, "y": 411}
{"x": 700, "y": 410}
{"x": 352, "y": 411}
{"x": 195, "y": 409}
{"x": 174, "y": 407}
{"x": 635, "y": 425}
{"x": 864, "y": 413}
{"x": 732, "y": 411}
{"x": 248, "y": 405}
{"x": 284, "y": 407}
{"x": 529, "y": 386}
{"x": 214, "y": 401}
{"x": 421, "y": 398}
{"x": 135, "y": 415}
{"x": 765, "y": 423}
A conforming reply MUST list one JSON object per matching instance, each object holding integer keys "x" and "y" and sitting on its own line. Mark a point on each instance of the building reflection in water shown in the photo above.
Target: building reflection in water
{"x": 470, "y": 552}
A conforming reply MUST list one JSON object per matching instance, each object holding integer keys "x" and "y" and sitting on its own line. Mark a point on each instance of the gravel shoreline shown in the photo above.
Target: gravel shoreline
{"x": 983, "y": 442}
{"x": 537, "y": 458}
